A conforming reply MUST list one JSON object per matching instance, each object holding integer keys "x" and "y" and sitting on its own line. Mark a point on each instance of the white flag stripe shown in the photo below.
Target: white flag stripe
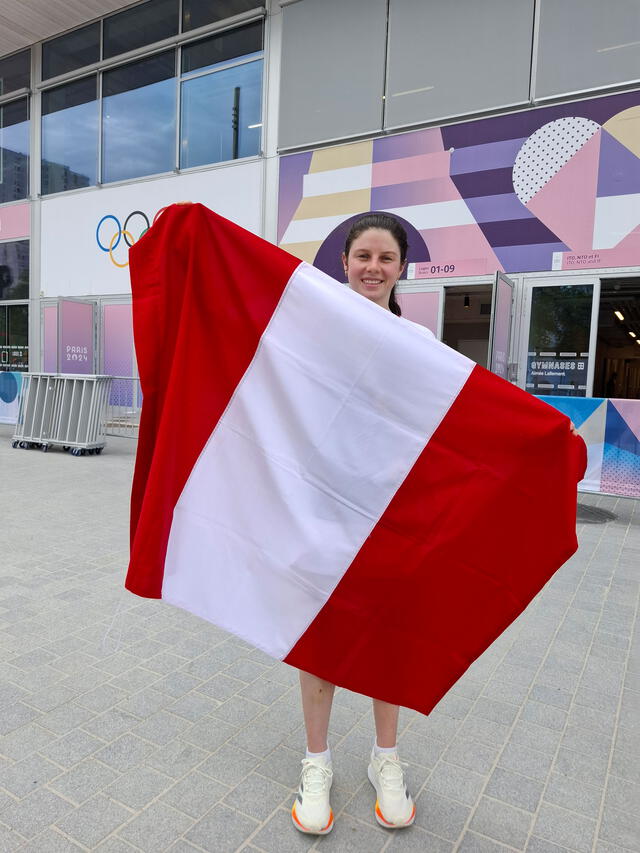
{"x": 337, "y": 180}
{"x": 297, "y": 429}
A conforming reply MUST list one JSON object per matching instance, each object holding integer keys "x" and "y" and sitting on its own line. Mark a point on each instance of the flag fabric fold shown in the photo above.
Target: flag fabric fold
{"x": 326, "y": 480}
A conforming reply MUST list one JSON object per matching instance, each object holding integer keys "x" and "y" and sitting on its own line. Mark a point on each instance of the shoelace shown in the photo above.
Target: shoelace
{"x": 391, "y": 772}
{"x": 315, "y": 776}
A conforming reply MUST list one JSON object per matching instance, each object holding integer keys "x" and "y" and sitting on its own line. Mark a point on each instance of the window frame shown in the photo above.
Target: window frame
{"x": 182, "y": 39}
{"x": 5, "y": 102}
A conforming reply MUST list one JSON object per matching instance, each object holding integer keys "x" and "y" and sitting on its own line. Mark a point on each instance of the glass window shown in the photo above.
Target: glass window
{"x": 142, "y": 25}
{"x": 70, "y": 136}
{"x": 221, "y": 115}
{"x": 14, "y": 270}
{"x": 15, "y": 72}
{"x": 199, "y": 13}
{"x": 205, "y": 54}
{"x": 73, "y": 50}
{"x": 558, "y": 355}
{"x": 14, "y": 150}
{"x": 221, "y": 101}
{"x": 438, "y": 53}
{"x": 14, "y": 337}
{"x": 139, "y": 118}
{"x": 584, "y": 44}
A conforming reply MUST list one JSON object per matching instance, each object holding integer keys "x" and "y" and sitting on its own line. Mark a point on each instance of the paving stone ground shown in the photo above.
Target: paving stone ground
{"x": 128, "y": 725}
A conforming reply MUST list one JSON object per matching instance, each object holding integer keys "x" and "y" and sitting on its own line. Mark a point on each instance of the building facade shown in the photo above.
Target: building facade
{"x": 506, "y": 137}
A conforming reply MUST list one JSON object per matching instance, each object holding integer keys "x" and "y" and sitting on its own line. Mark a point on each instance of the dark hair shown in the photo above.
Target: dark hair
{"x": 389, "y": 223}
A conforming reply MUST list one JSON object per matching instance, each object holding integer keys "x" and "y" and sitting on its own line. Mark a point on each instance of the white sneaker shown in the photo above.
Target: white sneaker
{"x": 395, "y": 808}
{"x": 311, "y": 811}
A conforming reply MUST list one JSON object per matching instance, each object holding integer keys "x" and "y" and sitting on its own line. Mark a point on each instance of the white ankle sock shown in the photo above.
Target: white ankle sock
{"x": 381, "y": 750}
{"x": 326, "y": 755}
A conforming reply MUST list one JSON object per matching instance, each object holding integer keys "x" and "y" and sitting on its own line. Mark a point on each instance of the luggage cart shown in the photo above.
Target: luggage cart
{"x": 65, "y": 410}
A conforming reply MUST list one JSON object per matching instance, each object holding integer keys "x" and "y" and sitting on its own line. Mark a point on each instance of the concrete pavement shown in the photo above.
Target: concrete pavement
{"x": 130, "y": 725}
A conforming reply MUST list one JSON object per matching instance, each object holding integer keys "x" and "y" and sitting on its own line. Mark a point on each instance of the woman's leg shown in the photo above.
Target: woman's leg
{"x": 311, "y": 811}
{"x": 394, "y": 807}
{"x": 386, "y": 718}
{"x": 317, "y": 698}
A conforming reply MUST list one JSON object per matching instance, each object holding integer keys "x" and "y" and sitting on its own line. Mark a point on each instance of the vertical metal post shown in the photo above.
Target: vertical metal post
{"x": 235, "y": 121}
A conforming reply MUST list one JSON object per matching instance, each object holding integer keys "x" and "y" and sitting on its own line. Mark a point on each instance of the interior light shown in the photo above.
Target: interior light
{"x": 619, "y": 315}
{"x": 467, "y": 302}
{"x": 633, "y": 334}
{"x": 251, "y": 126}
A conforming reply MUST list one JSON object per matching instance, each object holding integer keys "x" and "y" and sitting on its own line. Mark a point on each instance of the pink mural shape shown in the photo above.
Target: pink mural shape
{"x": 458, "y": 242}
{"x": 408, "y": 169}
{"x": 630, "y": 413}
{"x": 566, "y": 203}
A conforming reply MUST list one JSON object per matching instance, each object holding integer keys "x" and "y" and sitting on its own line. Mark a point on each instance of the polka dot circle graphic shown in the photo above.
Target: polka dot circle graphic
{"x": 547, "y": 150}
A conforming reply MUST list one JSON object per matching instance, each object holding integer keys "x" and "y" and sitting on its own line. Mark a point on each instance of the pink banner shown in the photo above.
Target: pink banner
{"x": 439, "y": 269}
{"x": 597, "y": 258}
{"x": 50, "y": 339}
{"x": 76, "y": 337}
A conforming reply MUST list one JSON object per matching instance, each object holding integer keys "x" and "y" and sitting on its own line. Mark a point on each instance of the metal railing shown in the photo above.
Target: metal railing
{"x": 123, "y": 407}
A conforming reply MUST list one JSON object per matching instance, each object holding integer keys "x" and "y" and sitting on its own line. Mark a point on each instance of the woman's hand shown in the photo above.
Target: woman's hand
{"x": 573, "y": 429}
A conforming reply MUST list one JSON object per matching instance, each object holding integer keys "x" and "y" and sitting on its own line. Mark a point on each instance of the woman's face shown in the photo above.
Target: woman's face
{"x": 373, "y": 265}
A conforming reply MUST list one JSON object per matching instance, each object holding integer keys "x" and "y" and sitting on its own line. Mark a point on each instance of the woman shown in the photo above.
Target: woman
{"x": 374, "y": 258}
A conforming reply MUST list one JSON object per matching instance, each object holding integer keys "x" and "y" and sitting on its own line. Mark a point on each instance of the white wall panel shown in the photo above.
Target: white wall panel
{"x": 72, "y": 263}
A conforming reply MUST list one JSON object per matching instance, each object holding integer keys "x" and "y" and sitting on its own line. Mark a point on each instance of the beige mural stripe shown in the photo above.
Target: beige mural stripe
{"x": 305, "y": 251}
{"x": 342, "y": 156}
{"x": 355, "y": 201}
{"x": 625, "y": 127}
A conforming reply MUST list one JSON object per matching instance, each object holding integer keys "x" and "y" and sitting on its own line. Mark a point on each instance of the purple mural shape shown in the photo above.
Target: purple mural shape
{"x": 329, "y": 256}
{"x": 76, "y": 336}
{"x": 520, "y": 192}
{"x": 619, "y": 168}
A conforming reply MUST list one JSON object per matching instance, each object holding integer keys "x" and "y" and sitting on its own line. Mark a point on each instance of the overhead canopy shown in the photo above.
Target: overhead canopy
{"x": 24, "y": 22}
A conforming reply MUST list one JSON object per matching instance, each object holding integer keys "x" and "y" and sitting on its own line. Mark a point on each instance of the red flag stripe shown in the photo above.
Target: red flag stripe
{"x": 197, "y": 326}
{"x": 456, "y": 584}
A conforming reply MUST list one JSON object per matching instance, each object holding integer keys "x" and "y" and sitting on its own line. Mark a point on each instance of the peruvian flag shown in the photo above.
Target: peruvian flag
{"x": 326, "y": 480}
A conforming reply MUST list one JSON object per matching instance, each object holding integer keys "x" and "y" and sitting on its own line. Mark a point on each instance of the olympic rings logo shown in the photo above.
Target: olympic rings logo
{"x": 123, "y": 232}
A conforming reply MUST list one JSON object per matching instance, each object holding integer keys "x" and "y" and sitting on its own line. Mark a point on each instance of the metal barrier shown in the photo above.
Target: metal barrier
{"x": 62, "y": 409}
{"x": 123, "y": 407}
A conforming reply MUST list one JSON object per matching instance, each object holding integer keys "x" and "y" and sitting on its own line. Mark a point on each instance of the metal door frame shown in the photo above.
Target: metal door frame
{"x": 528, "y": 283}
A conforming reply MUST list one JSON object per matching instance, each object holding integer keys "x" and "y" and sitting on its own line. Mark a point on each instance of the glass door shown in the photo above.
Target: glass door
{"x": 560, "y": 336}
{"x": 500, "y": 334}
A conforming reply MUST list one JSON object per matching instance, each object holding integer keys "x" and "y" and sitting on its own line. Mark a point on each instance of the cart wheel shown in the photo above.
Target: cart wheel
{"x": 66, "y": 448}
{"x": 82, "y": 451}
{"x": 98, "y": 450}
{"x": 14, "y": 444}
{"x": 45, "y": 447}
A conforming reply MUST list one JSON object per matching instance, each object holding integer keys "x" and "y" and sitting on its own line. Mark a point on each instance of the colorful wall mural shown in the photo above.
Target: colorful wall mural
{"x": 611, "y": 430}
{"x": 553, "y": 188}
